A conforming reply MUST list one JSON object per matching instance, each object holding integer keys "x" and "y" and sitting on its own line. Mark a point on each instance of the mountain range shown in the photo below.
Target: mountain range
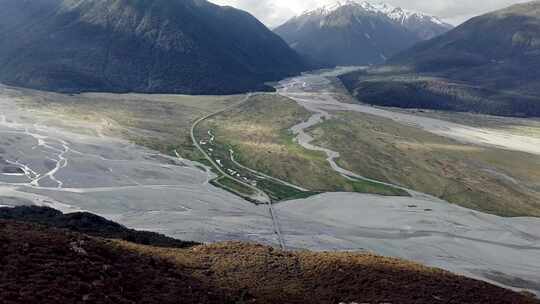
{"x": 357, "y": 33}
{"x": 490, "y": 64}
{"x": 151, "y": 46}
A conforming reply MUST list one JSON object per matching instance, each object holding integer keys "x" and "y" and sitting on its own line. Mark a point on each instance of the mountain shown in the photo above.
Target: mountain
{"x": 151, "y": 46}
{"x": 357, "y": 33}
{"x": 498, "y": 50}
{"x": 490, "y": 64}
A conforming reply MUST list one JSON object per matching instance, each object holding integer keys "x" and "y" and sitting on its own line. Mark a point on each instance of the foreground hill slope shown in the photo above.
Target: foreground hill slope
{"x": 90, "y": 224}
{"x": 490, "y": 64}
{"x": 357, "y": 32}
{"x": 41, "y": 265}
{"x": 173, "y": 46}
{"x": 59, "y": 266}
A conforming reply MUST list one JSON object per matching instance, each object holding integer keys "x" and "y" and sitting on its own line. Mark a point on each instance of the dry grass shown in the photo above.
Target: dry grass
{"x": 259, "y": 132}
{"x": 160, "y": 122}
{"x": 44, "y": 265}
{"x": 260, "y": 274}
{"x": 487, "y": 179}
{"x": 51, "y": 266}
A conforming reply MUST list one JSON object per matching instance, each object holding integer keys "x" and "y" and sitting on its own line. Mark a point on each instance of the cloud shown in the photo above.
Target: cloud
{"x": 272, "y": 12}
{"x": 275, "y": 12}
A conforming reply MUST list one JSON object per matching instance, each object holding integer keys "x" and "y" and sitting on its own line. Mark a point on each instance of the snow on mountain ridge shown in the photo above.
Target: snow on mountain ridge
{"x": 357, "y": 32}
{"x": 397, "y": 14}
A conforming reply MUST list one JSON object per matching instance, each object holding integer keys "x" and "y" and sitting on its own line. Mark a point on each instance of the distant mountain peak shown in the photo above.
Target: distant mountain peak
{"x": 350, "y": 32}
{"x": 397, "y": 14}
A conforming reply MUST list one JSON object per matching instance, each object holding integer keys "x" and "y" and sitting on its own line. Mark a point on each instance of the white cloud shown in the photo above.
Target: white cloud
{"x": 275, "y": 12}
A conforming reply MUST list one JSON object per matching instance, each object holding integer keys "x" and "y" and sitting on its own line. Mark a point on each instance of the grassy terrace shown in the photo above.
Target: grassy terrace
{"x": 159, "y": 122}
{"x": 234, "y": 187}
{"x": 492, "y": 180}
{"x": 222, "y": 154}
{"x": 258, "y": 133}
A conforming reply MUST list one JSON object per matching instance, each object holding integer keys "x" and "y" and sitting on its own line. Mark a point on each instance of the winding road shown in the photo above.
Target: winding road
{"x": 262, "y": 196}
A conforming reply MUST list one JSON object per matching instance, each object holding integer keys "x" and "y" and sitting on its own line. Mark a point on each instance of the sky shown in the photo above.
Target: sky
{"x": 275, "y": 12}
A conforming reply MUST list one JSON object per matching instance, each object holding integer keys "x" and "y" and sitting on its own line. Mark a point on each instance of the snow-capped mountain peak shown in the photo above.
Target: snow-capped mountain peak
{"x": 397, "y": 14}
{"x": 357, "y": 32}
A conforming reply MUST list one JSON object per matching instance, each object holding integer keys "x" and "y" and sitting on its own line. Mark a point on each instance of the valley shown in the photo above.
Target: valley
{"x": 259, "y": 134}
{"x": 84, "y": 163}
{"x": 279, "y": 152}
{"x": 469, "y": 165}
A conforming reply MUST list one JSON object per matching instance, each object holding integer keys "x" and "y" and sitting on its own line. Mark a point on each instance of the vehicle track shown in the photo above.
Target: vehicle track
{"x": 264, "y": 175}
{"x": 262, "y": 197}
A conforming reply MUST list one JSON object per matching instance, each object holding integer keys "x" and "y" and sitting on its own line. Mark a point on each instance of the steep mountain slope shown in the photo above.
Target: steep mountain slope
{"x": 357, "y": 33}
{"x": 44, "y": 265}
{"x": 490, "y": 64}
{"x": 498, "y": 50}
{"x": 175, "y": 46}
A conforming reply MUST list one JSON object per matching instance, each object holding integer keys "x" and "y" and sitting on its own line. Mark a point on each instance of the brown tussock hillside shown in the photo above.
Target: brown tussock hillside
{"x": 46, "y": 265}
{"x": 261, "y": 274}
